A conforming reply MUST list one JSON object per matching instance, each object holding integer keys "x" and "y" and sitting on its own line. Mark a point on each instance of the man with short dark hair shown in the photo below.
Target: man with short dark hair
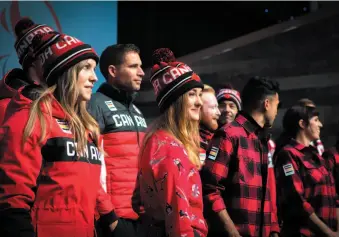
{"x": 235, "y": 176}
{"x": 122, "y": 126}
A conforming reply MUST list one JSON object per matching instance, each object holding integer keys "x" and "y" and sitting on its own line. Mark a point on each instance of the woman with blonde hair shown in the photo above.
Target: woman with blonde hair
{"x": 170, "y": 186}
{"x": 50, "y": 149}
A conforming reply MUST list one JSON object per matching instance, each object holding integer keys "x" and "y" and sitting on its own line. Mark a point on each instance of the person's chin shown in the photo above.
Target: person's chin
{"x": 85, "y": 97}
{"x": 229, "y": 120}
{"x": 316, "y": 137}
{"x": 136, "y": 88}
{"x": 195, "y": 117}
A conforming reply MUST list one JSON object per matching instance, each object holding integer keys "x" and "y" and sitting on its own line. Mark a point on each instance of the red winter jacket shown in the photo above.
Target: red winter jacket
{"x": 123, "y": 127}
{"x": 170, "y": 189}
{"x": 9, "y": 85}
{"x": 45, "y": 189}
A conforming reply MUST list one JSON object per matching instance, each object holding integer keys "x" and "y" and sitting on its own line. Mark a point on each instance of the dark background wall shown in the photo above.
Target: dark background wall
{"x": 302, "y": 53}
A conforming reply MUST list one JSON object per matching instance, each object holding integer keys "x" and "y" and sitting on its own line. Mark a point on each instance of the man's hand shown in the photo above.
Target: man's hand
{"x": 113, "y": 225}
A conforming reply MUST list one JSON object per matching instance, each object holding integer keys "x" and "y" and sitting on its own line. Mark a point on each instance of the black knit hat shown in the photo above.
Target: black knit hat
{"x": 25, "y": 30}
{"x": 58, "y": 55}
{"x": 171, "y": 79}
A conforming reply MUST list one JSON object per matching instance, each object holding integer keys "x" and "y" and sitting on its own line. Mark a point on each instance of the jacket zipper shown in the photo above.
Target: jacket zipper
{"x": 134, "y": 122}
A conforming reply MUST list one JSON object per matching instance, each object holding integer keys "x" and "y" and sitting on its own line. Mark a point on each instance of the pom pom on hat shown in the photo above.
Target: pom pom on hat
{"x": 163, "y": 55}
{"x": 25, "y": 29}
{"x": 22, "y": 26}
{"x": 171, "y": 79}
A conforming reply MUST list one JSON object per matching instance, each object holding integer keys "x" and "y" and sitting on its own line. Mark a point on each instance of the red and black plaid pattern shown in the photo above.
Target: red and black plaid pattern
{"x": 304, "y": 186}
{"x": 235, "y": 177}
{"x": 331, "y": 157}
{"x": 205, "y": 138}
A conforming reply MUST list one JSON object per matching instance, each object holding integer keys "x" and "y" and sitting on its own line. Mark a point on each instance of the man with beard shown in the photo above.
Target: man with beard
{"x": 209, "y": 115}
{"x": 235, "y": 177}
{"x": 229, "y": 104}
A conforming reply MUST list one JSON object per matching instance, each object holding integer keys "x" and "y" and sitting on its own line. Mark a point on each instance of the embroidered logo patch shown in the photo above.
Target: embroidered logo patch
{"x": 288, "y": 169}
{"x": 213, "y": 153}
{"x": 202, "y": 157}
{"x": 64, "y": 126}
{"x": 110, "y": 105}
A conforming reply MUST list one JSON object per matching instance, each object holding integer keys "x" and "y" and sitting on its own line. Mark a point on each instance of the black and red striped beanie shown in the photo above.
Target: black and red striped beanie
{"x": 57, "y": 56}
{"x": 228, "y": 93}
{"x": 25, "y": 30}
{"x": 170, "y": 78}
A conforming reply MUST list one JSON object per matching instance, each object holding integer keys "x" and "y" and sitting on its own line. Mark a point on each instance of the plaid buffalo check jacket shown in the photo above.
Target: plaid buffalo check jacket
{"x": 304, "y": 186}
{"x": 331, "y": 157}
{"x": 235, "y": 177}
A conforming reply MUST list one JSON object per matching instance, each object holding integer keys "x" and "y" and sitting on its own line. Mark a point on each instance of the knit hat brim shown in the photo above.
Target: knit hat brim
{"x": 176, "y": 90}
{"x": 231, "y": 98}
{"x": 231, "y": 95}
{"x": 68, "y": 59}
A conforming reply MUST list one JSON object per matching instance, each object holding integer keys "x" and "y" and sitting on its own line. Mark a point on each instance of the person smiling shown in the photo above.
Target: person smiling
{"x": 209, "y": 119}
{"x": 229, "y": 101}
{"x": 306, "y": 190}
{"x": 236, "y": 181}
{"x": 169, "y": 181}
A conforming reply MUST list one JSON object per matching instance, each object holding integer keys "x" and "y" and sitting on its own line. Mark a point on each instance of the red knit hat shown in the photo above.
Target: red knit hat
{"x": 228, "y": 93}
{"x": 25, "y": 30}
{"x": 171, "y": 79}
{"x": 59, "y": 54}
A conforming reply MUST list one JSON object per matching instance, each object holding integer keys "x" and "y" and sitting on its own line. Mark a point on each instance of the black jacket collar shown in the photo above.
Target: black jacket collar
{"x": 117, "y": 94}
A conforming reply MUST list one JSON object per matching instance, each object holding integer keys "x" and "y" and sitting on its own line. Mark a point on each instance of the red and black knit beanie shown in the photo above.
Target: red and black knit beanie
{"x": 170, "y": 78}
{"x": 60, "y": 54}
{"x": 228, "y": 93}
{"x": 25, "y": 30}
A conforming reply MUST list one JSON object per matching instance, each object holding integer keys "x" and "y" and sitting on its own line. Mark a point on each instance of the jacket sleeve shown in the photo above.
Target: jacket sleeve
{"x": 331, "y": 158}
{"x": 103, "y": 204}
{"x": 19, "y": 170}
{"x": 137, "y": 205}
{"x": 173, "y": 190}
{"x": 290, "y": 184}
{"x": 105, "y": 208}
{"x": 215, "y": 170}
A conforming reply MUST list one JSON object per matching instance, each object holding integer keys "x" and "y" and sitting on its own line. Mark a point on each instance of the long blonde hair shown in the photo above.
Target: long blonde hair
{"x": 176, "y": 121}
{"x": 65, "y": 91}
